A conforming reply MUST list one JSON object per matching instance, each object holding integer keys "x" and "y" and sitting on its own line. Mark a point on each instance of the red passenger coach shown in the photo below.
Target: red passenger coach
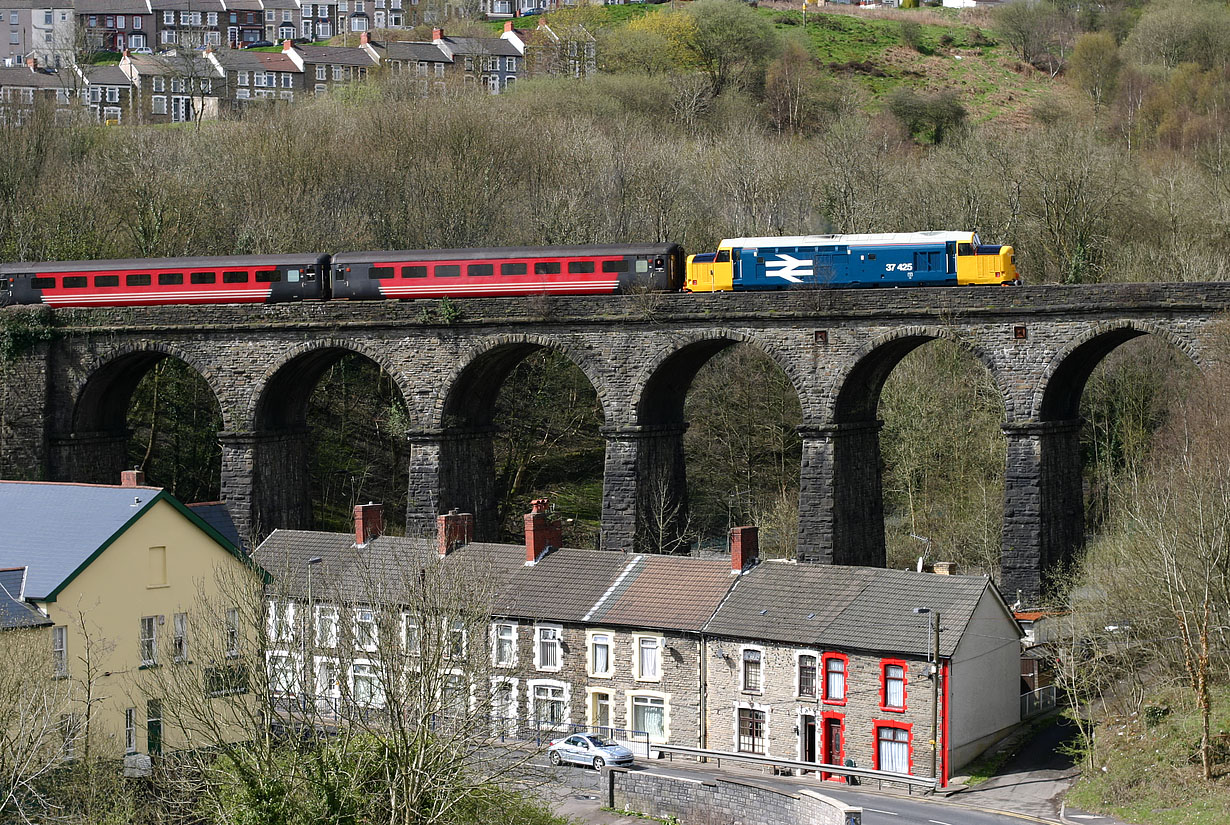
{"x": 497, "y": 272}
{"x": 141, "y": 282}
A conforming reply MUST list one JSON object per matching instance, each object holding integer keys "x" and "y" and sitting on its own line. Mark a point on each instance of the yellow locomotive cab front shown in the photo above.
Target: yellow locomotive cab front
{"x": 710, "y": 272}
{"x": 985, "y": 265}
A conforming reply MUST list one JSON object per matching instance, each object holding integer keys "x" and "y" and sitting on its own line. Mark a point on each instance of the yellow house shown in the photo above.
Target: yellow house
{"x": 141, "y": 594}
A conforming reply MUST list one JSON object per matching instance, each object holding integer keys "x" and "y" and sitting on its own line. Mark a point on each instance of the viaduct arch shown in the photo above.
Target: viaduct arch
{"x": 61, "y": 403}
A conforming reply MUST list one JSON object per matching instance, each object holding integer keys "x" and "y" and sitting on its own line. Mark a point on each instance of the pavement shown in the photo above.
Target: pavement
{"x": 1029, "y": 787}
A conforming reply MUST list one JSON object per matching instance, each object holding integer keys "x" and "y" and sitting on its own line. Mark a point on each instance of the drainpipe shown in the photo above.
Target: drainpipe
{"x": 702, "y": 729}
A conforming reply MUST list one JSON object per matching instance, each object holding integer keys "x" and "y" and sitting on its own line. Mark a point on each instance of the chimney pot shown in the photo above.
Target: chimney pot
{"x": 744, "y": 548}
{"x": 452, "y": 530}
{"x": 540, "y": 531}
{"x": 368, "y": 522}
{"x": 132, "y": 478}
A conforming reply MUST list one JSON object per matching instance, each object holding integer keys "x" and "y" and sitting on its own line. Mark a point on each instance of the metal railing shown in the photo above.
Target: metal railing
{"x": 542, "y": 732}
{"x": 1038, "y": 701}
{"x": 909, "y": 780}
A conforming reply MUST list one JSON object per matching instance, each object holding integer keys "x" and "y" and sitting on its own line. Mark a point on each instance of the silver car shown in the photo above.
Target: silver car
{"x": 588, "y": 749}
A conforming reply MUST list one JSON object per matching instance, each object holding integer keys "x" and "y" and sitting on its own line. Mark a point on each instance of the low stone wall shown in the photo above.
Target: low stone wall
{"x": 721, "y": 801}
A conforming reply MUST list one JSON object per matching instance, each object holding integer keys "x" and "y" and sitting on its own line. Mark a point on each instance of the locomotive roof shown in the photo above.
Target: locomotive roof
{"x": 936, "y": 236}
{"x": 502, "y": 252}
{"x": 158, "y": 263}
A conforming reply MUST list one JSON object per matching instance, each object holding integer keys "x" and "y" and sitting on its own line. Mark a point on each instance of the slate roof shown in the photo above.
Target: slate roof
{"x": 481, "y": 45}
{"x": 55, "y": 528}
{"x": 563, "y": 586}
{"x": 246, "y": 60}
{"x": 405, "y": 50}
{"x": 112, "y": 7}
{"x": 340, "y": 55}
{"x": 173, "y": 64}
{"x": 202, "y": 6}
{"x": 107, "y": 76}
{"x": 665, "y": 591}
{"x": 847, "y": 607}
{"x": 218, "y": 516}
{"x": 21, "y": 76}
{"x": 15, "y": 613}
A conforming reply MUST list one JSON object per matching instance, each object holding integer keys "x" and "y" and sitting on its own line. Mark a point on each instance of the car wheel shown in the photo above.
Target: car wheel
{"x": 598, "y": 763}
{"x": 554, "y": 757}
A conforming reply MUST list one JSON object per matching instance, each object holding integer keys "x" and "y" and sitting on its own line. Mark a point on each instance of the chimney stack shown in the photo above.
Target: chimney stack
{"x": 287, "y": 45}
{"x": 132, "y": 478}
{"x": 364, "y": 39}
{"x": 540, "y": 531}
{"x": 453, "y": 529}
{"x": 945, "y": 568}
{"x": 744, "y": 549}
{"x": 32, "y": 64}
{"x": 508, "y": 25}
{"x": 368, "y": 522}
{"x": 437, "y": 34}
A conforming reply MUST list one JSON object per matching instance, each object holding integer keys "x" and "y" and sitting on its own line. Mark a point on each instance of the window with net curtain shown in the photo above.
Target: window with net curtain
{"x": 649, "y": 716}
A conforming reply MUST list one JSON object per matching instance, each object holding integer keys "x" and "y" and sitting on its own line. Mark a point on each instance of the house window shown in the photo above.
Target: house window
{"x": 232, "y": 632}
{"x": 505, "y": 645}
{"x": 113, "y": 96}
{"x": 456, "y": 639}
{"x": 184, "y": 18}
{"x": 547, "y": 648}
{"x": 149, "y": 641}
{"x": 326, "y": 626}
{"x": 752, "y": 680}
{"x": 453, "y": 696}
{"x": 892, "y": 683}
{"x": 282, "y": 673}
{"x": 59, "y": 650}
{"x": 321, "y": 72}
{"x": 364, "y": 629}
{"x": 287, "y": 17}
{"x": 835, "y": 678}
{"x": 178, "y": 85}
{"x": 281, "y": 622}
{"x": 365, "y": 685}
{"x": 600, "y": 711}
{"x": 439, "y": 70}
{"x": 337, "y": 72}
{"x": 807, "y": 676}
{"x": 241, "y": 78}
{"x": 110, "y": 20}
{"x": 600, "y": 654}
{"x": 649, "y": 716}
{"x": 211, "y": 18}
{"x": 180, "y": 637}
{"x": 158, "y": 83}
{"x": 130, "y": 730}
{"x": 510, "y": 64}
{"x": 648, "y": 658}
{"x": 549, "y": 704}
{"x": 136, "y": 25}
{"x": 469, "y": 64}
{"x": 93, "y": 20}
{"x": 243, "y": 94}
{"x": 119, "y": 22}
{"x": 287, "y": 79}
{"x": 751, "y": 725}
{"x": 409, "y": 634}
{"x": 893, "y": 748}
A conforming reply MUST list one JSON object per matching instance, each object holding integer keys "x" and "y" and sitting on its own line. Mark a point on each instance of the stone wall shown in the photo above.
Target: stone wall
{"x": 64, "y": 402}
{"x": 721, "y": 801}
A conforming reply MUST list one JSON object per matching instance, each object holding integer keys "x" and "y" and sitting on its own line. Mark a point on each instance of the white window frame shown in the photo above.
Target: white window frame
{"x": 130, "y": 730}
{"x": 277, "y": 686}
{"x": 327, "y": 691}
{"x": 366, "y": 616}
{"x": 531, "y": 686}
{"x": 148, "y": 641}
{"x": 328, "y": 618}
{"x": 743, "y": 669}
{"x": 168, "y": 18}
{"x": 664, "y": 698}
{"x": 450, "y": 628}
{"x": 59, "y": 651}
{"x": 498, "y": 635}
{"x": 638, "y": 642}
{"x": 232, "y": 632}
{"x": 322, "y": 71}
{"x": 510, "y": 721}
{"x": 241, "y": 78}
{"x": 766, "y": 737}
{"x": 557, "y": 641}
{"x": 378, "y": 698}
{"x": 817, "y": 683}
{"x": 411, "y": 639}
{"x": 591, "y": 640}
{"x": 179, "y": 639}
{"x": 158, "y": 83}
{"x": 280, "y": 629}
{"x": 211, "y": 18}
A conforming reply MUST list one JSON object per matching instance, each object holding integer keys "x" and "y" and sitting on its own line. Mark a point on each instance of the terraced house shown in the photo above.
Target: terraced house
{"x": 814, "y": 663}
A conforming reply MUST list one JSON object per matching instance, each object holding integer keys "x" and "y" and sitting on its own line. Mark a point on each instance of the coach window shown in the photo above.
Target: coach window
{"x": 546, "y": 268}
{"x": 234, "y": 277}
{"x": 512, "y": 269}
{"x": 203, "y": 278}
{"x": 170, "y": 278}
{"x": 580, "y": 266}
{"x": 642, "y": 266}
{"x": 268, "y": 276}
{"x": 380, "y": 273}
{"x": 480, "y": 269}
{"x": 76, "y": 281}
{"x": 42, "y": 283}
{"x": 414, "y": 272}
{"x": 965, "y": 249}
{"x": 448, "y": 270}
{"x": 615, "y": 266}
{"x": 137, "y": 280}
{"x": 106, "y": 280}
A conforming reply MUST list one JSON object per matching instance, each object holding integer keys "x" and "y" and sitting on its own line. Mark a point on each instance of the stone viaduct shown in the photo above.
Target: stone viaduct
{"x": 63, "y": 404}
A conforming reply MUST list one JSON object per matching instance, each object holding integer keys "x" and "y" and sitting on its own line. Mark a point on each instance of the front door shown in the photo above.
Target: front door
{"x": 832, "y": 742}
{"x": 807, "y": 737}
{"x": 181, "y": 109}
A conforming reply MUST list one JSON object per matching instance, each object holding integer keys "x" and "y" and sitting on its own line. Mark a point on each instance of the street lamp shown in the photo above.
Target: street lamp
{"x": 933, "y": 652}
{"x": 309, "y": 627}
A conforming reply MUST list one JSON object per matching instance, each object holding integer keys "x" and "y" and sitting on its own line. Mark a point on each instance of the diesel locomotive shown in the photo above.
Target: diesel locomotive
{"x": 902, "y": 259}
